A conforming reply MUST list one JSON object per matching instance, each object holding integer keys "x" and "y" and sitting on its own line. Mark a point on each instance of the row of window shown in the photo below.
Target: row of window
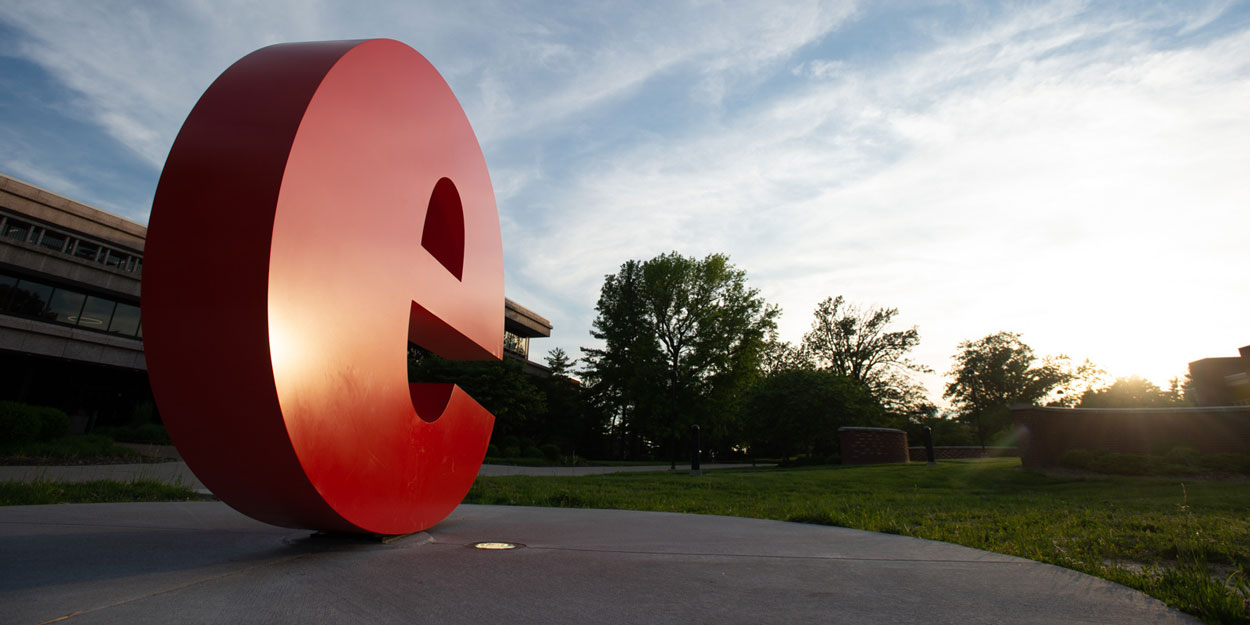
{"x": 18, "y": 230}
{"x": 30, "y": 298}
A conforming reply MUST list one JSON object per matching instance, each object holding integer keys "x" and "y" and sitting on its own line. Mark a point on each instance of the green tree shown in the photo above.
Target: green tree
{"x": 778, "y": 355}
{"x": 499, "y": 386}
{"x": 682, "y": 339}
{"x": 857, "y": 343}
{"x": 993, "y": 373}
{"x": 1131, "y": 392}
{"x": 570, "y": 420}
{"x": 800, "y": 410}
{"x": 558, "y": 362}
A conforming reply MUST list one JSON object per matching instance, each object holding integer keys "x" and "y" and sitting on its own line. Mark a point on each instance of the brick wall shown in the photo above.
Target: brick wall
{"x": 1045, "y": 433}
{"x": 950, "y": 452}
{"x": 872, "y": 445}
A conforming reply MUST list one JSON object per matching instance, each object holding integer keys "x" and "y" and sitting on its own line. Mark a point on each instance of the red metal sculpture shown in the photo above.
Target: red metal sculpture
{"x": 323, "y": 202}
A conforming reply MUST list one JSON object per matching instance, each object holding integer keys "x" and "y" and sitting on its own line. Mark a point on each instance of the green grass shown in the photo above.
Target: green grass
{"x": 103, "y": 491}
{"x": 574, "y": 461}
{"x": 1185, "y": 542}
{"x": 70, "y": 449}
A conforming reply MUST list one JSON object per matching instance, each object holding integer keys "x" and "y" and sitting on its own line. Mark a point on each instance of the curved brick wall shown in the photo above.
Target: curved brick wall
{"x": 872, "y": 445}
{"x": 1048, "y": 432}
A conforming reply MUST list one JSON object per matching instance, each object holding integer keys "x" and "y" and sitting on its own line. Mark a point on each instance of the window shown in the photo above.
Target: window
{"x": 96, "y": 313}
{"x": 86, "y": 250}
{"x": 113, "y": 259}
{"x": 29, "y": 298}
{"x": 7, "y": 285}
{"x": 53, "y": 240}
{"x": 65, "y": 306}
{"x": 125, "y": 320}
{"x": 16, "y": 230}
{"x": 516, "y": 344}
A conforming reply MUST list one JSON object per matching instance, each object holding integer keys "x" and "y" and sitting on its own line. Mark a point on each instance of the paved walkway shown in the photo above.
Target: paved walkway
{"x": 178, "y": 473}
{"x": 201, "y": 562}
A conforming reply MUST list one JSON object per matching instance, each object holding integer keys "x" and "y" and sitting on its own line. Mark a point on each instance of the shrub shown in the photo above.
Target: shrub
{"x": 53, "y": 423}
{"x": 532, "y": 452}
{"x": 90, "y": 445}
{"x": 1185, "y": 456}
{"x": 550, "y": 452}
{"x": 1075, "y": 459}
{"x": 1178, "y": 460}
{"x": 511, "y": 452}
{"x": 20, "y": 424}
{"x": 149, "y": 434}
{"x": 492, "y": 451}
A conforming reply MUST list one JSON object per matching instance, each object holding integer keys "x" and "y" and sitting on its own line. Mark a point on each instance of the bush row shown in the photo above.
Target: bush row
{"x": 148, "y": 434}
{"x": 1176, "y": 461}
{"x": 23, "y": 424}
{"x": 548, "y": 452}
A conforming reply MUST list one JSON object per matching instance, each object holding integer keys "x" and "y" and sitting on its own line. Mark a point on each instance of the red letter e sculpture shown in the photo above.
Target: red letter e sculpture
{"x": 322, "y": 203}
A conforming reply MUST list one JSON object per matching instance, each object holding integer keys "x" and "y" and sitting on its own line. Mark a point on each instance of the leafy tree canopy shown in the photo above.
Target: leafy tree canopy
{"x": 800, "y": 411}
{"x": 993, "y": 373}
{"x": 1130, "y": 392}
{"x": 858, "y": 344}
{"x": 682, "y": 337}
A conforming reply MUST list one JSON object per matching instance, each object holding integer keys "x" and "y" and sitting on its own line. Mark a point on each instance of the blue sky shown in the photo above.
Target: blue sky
{"x": 1074, "y": 171}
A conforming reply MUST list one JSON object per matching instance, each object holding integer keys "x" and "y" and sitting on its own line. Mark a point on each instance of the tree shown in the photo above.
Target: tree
{"x": 558, "y": 362}
{"x": 1131, "y": 392}
{"x": 682, "y": 338}
{"x": 778, "y": 355}
{"x": 499, "y": 386}
{"x": 855, "y": 343}
{"x": 995, "y": 372}
{"x": 800, "y": 411}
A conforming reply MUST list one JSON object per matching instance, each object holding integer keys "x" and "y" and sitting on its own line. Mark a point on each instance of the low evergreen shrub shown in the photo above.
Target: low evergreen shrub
{"x": 19, "y": 425}
{"x": 550, "y": 452}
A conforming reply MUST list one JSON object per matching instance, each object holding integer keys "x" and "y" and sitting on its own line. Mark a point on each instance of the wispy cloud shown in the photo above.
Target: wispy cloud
{"x": 1070, "y": 170}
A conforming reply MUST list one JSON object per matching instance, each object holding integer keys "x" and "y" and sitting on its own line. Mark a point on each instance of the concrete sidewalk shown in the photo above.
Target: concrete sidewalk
{"x": 178, "y": 473}
{"x": 201, "y": 562}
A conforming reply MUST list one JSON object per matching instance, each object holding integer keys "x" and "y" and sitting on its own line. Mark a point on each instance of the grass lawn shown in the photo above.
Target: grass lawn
{"x": 39, "y": 493}
{"x": 78, "y": 449}
{"x": 1186, "y": 542}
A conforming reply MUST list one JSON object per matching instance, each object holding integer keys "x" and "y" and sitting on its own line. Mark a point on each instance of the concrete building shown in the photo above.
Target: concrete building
{"x": 70, "y": 330}
{"x": 1222, "y": 381}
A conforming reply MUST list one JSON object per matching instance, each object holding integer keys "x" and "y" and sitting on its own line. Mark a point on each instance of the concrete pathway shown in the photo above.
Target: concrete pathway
{"x": 178, "y": 473}
{"x": 201, "y": 562}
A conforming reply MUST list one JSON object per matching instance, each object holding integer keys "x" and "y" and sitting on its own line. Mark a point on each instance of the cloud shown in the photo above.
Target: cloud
{"x": 1070, "y": 170}
{"x": 1047, "y": 173}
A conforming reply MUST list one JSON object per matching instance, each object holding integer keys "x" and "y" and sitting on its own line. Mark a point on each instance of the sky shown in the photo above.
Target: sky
{"x": 1076, "y": 172}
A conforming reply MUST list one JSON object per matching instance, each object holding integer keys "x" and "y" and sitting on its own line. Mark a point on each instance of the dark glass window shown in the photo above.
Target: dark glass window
{"x": 125, "y": 320}
{"x": 516, "y": 344}
{"x": 96, "y": 313}
{"x": 7, "y": 285}
{"x": 30, "y": 298}
{"x": 65, "y": 306}
{"x": 86, "y": 250}
{"x": 53, "y": 240}
{"x": 16, "y": 230}
{"x": 113, "y": 259}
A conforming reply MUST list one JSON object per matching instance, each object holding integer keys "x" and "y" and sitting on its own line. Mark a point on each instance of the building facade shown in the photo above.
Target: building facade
{"x": 1222, "y": 381}
{"x": 71, "y": 335}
